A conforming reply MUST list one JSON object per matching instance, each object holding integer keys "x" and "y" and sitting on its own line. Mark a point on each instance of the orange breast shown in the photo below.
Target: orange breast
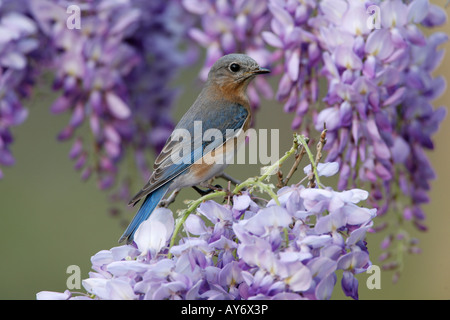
{"x": 217, "y": 160}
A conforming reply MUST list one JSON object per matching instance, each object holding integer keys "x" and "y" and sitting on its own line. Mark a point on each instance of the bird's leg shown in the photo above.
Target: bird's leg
{"x": 207, "y": 184}
{"x": 165, "y": 202}
{"x": 218, "y": 187}
{"x": 202, "y": 192}
{"x": 210, "y": 188}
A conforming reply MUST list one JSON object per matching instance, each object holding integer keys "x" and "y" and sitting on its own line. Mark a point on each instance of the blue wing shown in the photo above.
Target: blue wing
{"x": 223, "y": 116}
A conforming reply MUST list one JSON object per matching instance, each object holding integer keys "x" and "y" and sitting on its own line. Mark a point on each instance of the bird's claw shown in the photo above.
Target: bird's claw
{"x": 210, "y": 188}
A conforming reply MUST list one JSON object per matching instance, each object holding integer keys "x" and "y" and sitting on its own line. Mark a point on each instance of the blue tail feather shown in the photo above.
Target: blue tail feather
{"x": 146, "y": 209}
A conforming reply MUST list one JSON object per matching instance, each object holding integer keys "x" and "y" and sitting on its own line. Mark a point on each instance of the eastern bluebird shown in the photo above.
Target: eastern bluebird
{"x": 222, "y": 105}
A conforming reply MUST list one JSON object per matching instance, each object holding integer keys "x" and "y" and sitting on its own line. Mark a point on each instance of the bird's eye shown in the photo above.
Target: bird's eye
{"x": 234, "y": 67}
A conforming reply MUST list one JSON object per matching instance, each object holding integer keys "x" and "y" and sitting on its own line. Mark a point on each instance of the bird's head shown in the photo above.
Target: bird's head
{"x": 234, "y": 72}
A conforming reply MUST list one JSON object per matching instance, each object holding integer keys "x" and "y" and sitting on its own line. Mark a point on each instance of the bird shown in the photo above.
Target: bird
{"x": 222, "y": 105}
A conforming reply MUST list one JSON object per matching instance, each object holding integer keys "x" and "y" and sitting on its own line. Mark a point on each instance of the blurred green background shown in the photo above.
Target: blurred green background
{"x": 51, "y": 219}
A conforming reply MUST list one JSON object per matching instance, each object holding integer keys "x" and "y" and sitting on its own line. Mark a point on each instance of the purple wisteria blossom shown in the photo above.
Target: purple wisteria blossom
{"x": 114, "y": 75}
{"x": 379, "y": 88}
{"x": 294, "y": 250}
{"x": 295, "y": 41}
{"x": 18, "y": 47}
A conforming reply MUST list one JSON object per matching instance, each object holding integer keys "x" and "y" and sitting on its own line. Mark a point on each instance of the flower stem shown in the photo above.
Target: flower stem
{"x": 311, "y": 159}
{"x": 192, "y": 206}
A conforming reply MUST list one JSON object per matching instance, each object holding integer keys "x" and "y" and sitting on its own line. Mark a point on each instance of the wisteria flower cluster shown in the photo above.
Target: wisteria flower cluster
{"x": 378, "y": 66}
{"x": 239, "y": 251}
{"x": 17, "y": 42}
{"x": 114, "y": 74}
{"x": 364, "y": 69}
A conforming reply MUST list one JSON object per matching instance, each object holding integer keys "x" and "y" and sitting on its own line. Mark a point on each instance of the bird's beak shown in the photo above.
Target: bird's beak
{"x": 260, "y": 70}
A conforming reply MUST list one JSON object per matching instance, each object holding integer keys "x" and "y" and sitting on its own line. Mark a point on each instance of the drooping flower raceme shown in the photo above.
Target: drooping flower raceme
{"x": 18, "y": 48}
{"x": 296, "y": 43}
{"x": 90, "y": 64}
{"x": 294, "y": 250}
{"x": 114, "y": 74}
{"x": 376, "y": 105}
{"x": 113, "y": 71}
